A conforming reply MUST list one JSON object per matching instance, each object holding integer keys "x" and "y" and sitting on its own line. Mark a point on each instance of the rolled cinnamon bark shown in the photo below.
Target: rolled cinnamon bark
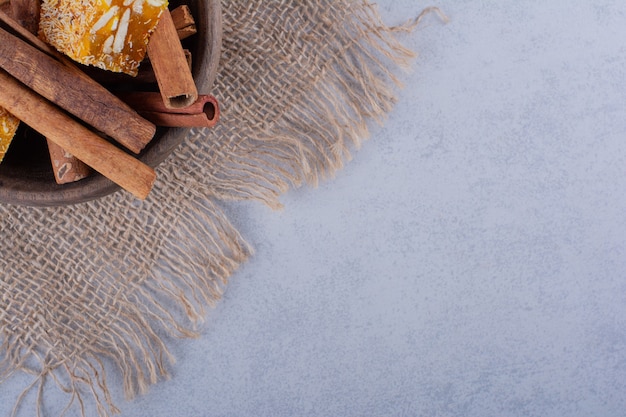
{"x": 46, "y": 118}
{"x": 151, "y": 101}
{"x": 168, "y": 60}
{"x": 184, "y": 22}
{"x": 5, "y": 6}
{"x": 179, "y": 120}
{"x": 26, "y": 13}
{"x": 13, "y": 26}
{"x": 78, "y": 95}
{"x": 185, "y": 27}
{"x": 66, "y": 167}
{"x": 204, "y": 112}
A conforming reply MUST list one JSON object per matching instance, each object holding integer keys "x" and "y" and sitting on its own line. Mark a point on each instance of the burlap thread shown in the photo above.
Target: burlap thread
{"x": 112, "y": 280}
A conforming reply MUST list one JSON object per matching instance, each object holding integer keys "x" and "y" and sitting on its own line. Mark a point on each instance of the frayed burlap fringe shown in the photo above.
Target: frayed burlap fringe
{"x": 306, "y": 78}
{"x": 102, "y": 286}
{"x": 64, "y": 314}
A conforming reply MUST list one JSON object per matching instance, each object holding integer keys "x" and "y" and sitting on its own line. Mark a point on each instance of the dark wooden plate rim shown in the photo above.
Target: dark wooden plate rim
{"x": 45, "y": 192}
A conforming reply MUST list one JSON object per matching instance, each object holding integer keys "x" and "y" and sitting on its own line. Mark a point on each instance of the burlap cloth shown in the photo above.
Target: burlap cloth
{"x": 112, "y": 280}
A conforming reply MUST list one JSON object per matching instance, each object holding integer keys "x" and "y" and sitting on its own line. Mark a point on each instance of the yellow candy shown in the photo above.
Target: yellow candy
{"x": 109, "y": 34}
{"x": 8, "y": 127}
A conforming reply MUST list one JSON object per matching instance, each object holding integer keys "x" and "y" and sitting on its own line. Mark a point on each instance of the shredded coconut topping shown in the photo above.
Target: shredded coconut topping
{"x": 109, "y": 34}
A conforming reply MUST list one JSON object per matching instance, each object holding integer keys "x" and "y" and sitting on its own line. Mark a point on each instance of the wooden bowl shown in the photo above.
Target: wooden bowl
{"x": 26, "y": 176}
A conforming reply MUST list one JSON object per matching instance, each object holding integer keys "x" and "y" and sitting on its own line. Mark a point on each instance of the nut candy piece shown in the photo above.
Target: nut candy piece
{"x": 8, "y": 127}
{"x": 109, "y": 34}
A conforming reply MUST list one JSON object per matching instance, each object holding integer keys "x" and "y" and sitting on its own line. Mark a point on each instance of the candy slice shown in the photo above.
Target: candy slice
{"x": 8, "y": 127}
{"x": 109, "y": 34}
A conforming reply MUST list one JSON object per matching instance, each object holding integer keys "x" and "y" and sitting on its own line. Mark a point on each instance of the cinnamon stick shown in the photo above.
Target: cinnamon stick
{"x": 150, "y": 101}
{"x": 184, "y": 22}
{"x": 180, "y": 120}
{"x": 46, "y": 118}
{"x": 5, "y": 6}
{"x": 77, "y": 94}
{"x": 146, "y": 73}
{"x": 65, "y": 166}
{"x": 204, "y": 112}
{"x": 26, "y": 13}
{"x": 172, "y": 72}
{"x": 13, "y": 26}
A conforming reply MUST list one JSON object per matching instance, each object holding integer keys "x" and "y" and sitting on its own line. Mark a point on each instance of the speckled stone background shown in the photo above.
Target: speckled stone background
{"x": 471, "y": 259}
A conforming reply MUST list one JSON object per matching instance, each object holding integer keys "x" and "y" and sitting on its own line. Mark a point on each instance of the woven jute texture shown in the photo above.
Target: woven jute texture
{"x": 101, "y": 287}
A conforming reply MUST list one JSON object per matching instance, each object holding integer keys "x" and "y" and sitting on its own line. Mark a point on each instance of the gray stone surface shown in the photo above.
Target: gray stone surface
{"x": 470, "y": 260}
